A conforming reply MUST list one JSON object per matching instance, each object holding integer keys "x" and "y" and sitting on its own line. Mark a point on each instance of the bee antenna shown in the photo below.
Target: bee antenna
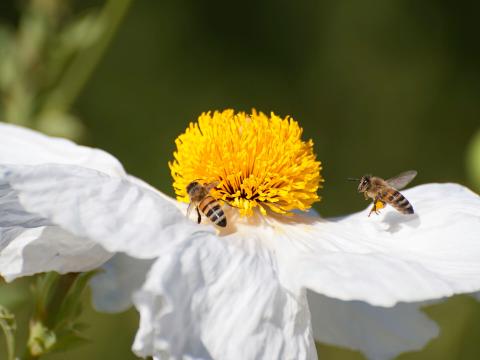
{"x": 353, "y": 179}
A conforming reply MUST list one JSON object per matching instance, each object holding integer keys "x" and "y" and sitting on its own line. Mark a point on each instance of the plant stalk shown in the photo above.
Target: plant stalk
{"x": 83, "y": 65}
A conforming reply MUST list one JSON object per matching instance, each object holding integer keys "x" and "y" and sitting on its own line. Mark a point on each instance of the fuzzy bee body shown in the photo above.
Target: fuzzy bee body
{"x": 205, "y": 203}
{"x": 386, "y": 191}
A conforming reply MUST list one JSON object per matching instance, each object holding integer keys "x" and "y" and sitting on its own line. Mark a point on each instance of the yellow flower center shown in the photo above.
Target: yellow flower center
{"x": 256, "y": 161}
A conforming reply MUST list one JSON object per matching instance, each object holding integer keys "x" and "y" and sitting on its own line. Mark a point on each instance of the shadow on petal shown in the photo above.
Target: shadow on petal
{"x": 378, "y": 332}
{"x": 31, "y": 244}
{"x": 112, "y": 289}
{"x": 397, "y": 221}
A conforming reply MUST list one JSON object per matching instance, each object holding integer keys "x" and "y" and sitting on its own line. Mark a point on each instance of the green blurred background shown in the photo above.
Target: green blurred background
{"x": 381, "y": 87}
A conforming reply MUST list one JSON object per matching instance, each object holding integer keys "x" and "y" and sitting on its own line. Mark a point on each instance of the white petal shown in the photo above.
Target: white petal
{"x": 120, "y": 215}
{"x": 30, "y": 244}
{"x": 380, "y": 333}
{"x": 392, "y": 257}
{"x": 23, "y": 146}
{"x": 113, "y": 288}
{"x": 47, "y": 248}
{"x": 207, "y": 299}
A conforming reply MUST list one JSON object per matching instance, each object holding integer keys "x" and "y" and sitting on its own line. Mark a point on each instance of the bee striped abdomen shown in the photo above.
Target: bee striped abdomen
{"x": 210, "y": 207}
{"x": 399, "y": 202}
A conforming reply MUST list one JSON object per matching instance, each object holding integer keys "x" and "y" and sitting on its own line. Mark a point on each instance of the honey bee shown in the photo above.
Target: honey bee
{"x": 205, "y": 203}
{"x": 386, "y": 191}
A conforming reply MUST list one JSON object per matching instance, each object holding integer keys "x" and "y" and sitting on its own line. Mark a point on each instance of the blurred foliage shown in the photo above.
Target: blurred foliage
{"x": 55, "y": 325}
{"x": 46, "y": 58}
{"x": 9, "y": 326}
{"x": 473, "y": 161}
{"x": 381, "y": 87}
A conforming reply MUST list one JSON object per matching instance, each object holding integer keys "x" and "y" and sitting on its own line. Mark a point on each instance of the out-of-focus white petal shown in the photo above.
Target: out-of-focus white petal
{"x": 380, "y": 333}
{"x": 208, "y": 299}
{"x": 23, "y": 146}
{"x": 115, "y": 212}
{"x": 113, "y": 287}
{"x": 392, "y": 257}
{"x": 30, "y": 244}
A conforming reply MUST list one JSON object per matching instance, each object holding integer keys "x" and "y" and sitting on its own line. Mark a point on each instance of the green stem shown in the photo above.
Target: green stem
{"x": 82, "y": 66}
{"x": 9, "y": 339}
{"x": 7, "y": 323}
{"x": 51, "y": 291}
{"x": 64, "y": 284}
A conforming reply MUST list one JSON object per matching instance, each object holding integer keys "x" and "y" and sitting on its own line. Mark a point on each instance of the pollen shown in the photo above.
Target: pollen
{"x": 256, "y": 161}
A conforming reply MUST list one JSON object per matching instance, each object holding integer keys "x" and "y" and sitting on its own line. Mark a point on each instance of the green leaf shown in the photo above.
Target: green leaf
{"x": 71, "y": 306}
{"x": 8, "y": 325}
{"x": 59, "y": 303}
{"x": 44, "y": 291}
{"x": 78, "y": 327}
{"x": 69, "y": 339}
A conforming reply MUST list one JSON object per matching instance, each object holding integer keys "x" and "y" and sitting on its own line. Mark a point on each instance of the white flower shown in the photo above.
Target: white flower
{"x": 238, "y": 292}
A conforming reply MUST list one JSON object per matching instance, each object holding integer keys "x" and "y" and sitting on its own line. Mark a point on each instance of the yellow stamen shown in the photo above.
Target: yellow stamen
{"x": 258, "y": 161}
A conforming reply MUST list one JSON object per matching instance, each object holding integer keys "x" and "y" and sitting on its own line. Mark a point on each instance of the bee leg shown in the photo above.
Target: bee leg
{"x": 374, "y": 207}
{"x": 212, "y": 185}
{"x": 199, "y": 220}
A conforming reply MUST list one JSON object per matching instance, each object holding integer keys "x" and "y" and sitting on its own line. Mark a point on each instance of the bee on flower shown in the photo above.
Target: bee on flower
{"x": 239, "y": 291}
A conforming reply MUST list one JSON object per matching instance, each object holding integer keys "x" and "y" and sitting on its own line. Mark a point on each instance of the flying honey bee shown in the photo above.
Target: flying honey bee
{"x": 205, "y": 203}
{"x": 386, "y": 191}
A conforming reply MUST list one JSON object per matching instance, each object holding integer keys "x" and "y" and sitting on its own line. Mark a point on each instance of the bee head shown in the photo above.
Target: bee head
{"x": 364, "y": 184}
{"x": 190, "y": 186}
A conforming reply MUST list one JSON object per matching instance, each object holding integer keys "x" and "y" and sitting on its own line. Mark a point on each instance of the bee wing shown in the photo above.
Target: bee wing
{"x": 189, "y": 208}
{"x": 401, "y": 180}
